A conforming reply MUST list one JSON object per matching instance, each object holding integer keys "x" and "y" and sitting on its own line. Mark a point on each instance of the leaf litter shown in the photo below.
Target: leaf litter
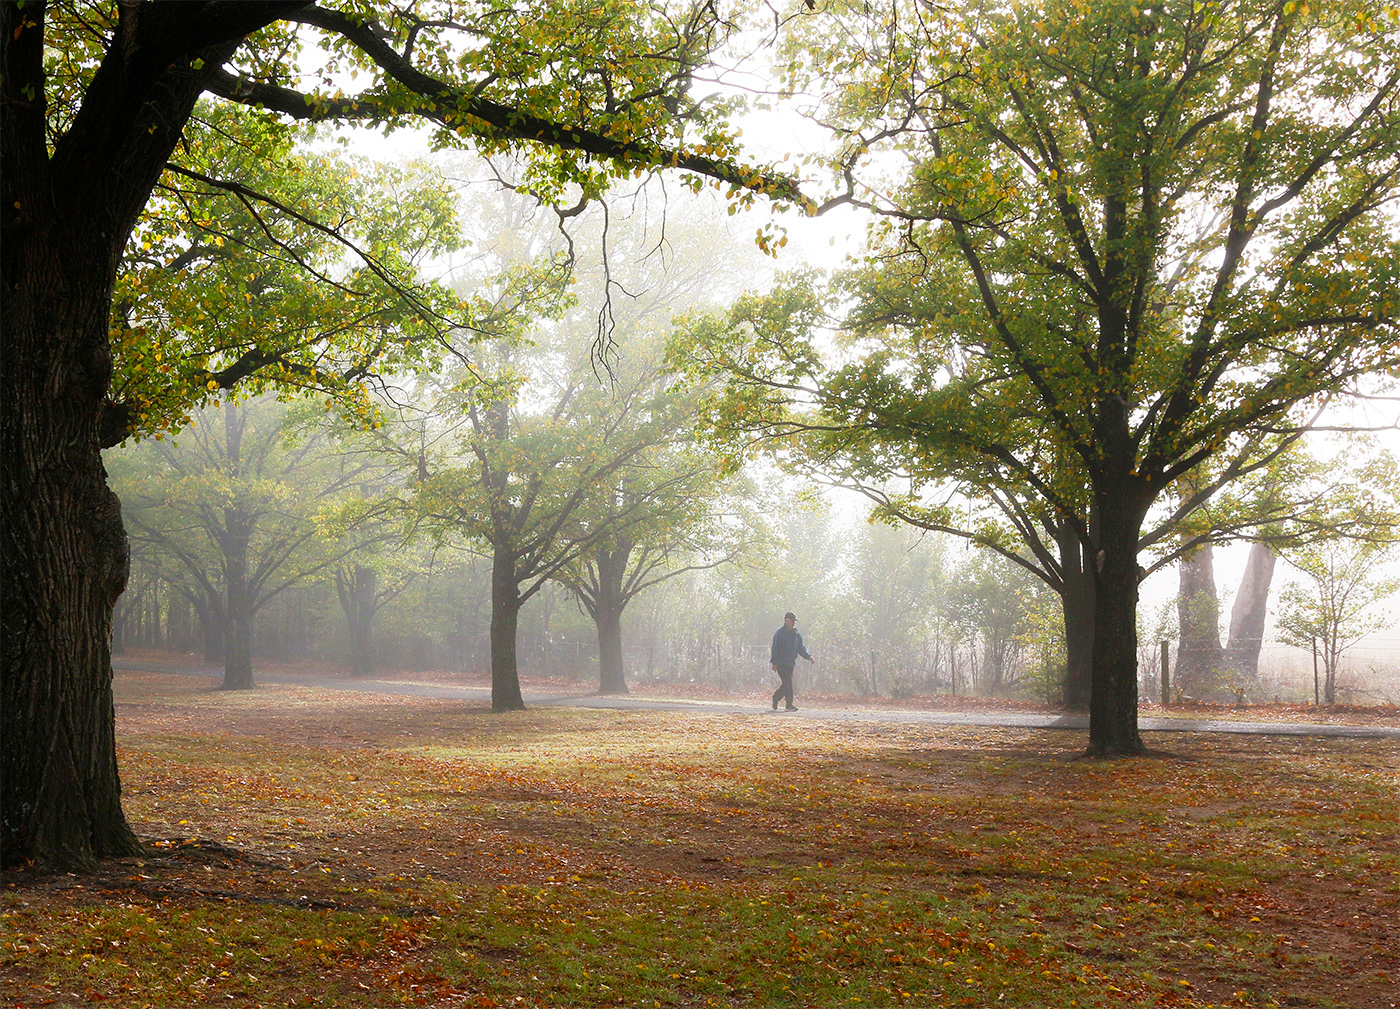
{"x": 319, "y": 848}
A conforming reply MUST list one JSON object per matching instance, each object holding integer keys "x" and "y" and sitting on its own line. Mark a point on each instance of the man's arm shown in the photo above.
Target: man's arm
{"x": 802, "y": 650}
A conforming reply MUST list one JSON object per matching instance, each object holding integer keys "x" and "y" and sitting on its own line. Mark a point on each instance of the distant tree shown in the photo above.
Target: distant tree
{"x": 362, "y": 594}
{"x": 893, "y": 607}
{"x": 542, "y": 450}
{"x": 1300, "y": 501}
{"x": 665, "y": 513}
{"x": 994, "y": 600}
{"x": 1336, "y": 607}
{"x": 1121, "y": 241}
{"x": 380, "y": 561}
{"x": 230, "y": 509}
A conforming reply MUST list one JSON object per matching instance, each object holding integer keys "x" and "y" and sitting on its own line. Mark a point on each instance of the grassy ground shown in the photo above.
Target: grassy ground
{"x": 316, "y": 848}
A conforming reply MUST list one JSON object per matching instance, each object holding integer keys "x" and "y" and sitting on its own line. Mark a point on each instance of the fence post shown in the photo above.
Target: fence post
{"x": 1166, "y": 674}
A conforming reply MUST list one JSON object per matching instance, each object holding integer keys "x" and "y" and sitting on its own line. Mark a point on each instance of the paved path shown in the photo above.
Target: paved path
{"x": 1017, "y": 720}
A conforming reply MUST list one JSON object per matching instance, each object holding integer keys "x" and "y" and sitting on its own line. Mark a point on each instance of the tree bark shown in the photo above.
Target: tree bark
{"x": 1250, "y": 611}
{"x": 65, "y": 561}
{"x": 611, "y": 676}
{"x": 1199, "y": 655}
{"x": 65, "y": 554}
{"x": 1113, "y": 698}
{"x": 1077, "y": 604}
{"x": 606, "y": 609}
{"x": 357, "y": 599}
{"x": 505, "y": 618}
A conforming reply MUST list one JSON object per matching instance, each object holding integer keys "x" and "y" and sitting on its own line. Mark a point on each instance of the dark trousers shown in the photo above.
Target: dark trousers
{"x": 784, "y": 690}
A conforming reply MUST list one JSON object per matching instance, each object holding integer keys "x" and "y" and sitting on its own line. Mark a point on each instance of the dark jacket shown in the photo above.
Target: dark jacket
{"x": 787, "y": 646}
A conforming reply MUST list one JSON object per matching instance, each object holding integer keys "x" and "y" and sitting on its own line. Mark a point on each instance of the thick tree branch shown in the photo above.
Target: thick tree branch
{"x": 462, "y": 108}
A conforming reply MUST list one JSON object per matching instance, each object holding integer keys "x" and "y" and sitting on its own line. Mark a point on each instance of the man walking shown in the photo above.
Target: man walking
{"x": 787, "y": 646}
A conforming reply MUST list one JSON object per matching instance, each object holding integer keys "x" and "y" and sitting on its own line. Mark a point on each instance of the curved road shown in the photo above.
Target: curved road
{"x": 1017, "y": 720}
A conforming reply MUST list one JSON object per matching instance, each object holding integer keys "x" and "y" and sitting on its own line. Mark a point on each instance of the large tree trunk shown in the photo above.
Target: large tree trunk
{"x": 65, "y": 216}
{"x": 505, "y": 618}
{"x": 606, "y": 610}
{"x": 64, "y": 555}
{"x": 611, "y": 677}
{"x": 1199, "y": 656}
{"x": 1250, "y": 611}
{"x": 1114, "y": 689}
{"x": 63, "y": 549}
{"x": 357, "y": 598}
{"x": 1077, "y": 604}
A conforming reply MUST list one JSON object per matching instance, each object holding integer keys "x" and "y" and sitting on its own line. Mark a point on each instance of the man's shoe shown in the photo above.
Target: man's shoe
{"x": 775, "y": 704}
{"x": 791, "y": 707}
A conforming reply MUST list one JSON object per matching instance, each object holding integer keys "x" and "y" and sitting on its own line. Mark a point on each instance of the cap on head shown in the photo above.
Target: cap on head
{"x": 789, "y": 615}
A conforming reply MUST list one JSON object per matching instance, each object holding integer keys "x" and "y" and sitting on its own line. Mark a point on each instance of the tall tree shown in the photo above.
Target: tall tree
{"x": 93, "y": 104}
{"x": 897, "y": 610}
{"x": 1250, "y": 611}
{"x": 1130, "y": 240}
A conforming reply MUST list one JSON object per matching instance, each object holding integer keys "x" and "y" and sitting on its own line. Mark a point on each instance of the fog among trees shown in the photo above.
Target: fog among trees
{"x": 546, "y": 497}
{"x": 545, "y": 399}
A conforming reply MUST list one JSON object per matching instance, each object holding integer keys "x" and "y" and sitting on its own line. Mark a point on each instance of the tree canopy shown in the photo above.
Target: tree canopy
{"x": 304, "y": 273}
{"x": 1120, "y": 246}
